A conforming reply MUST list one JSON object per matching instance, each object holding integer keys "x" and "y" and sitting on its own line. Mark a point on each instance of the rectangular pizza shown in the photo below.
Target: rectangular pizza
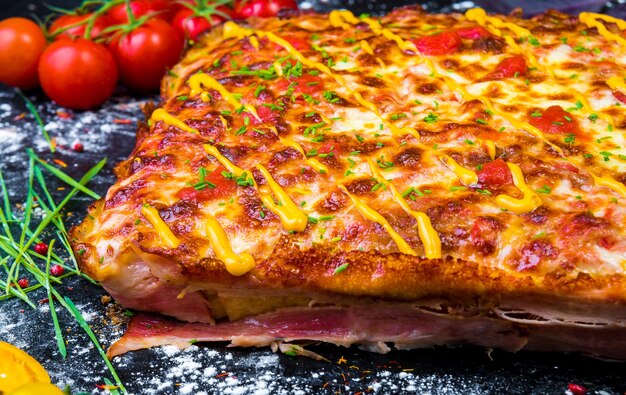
{"x": 404, "y": 181}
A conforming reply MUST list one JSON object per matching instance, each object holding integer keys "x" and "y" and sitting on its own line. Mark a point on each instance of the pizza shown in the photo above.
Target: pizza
{"x": 404, "y": 181}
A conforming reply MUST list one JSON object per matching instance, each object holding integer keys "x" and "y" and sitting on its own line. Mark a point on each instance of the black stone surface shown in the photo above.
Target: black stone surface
{"x": 214, "y": 368}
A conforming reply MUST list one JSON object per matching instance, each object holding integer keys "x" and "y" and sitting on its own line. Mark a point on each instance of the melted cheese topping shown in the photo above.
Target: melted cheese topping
{"x": 167, "y": 237}
{"x": 384, "y": 99}
{"x": 237, "y": 265}
{"x": 372, "y": 215}
{"x": 526, "y": 204}
{"x": 291, "y": 217}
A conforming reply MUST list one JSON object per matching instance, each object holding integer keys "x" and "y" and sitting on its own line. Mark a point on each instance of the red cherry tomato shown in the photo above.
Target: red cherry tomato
{"x": 21, "y": 45}
{"x": 263, "y": 8}
{"x": 555, "y": 120}
{"x": 508, "y": 68}
{"x": 495, "y": 173}
{"x": 140, "y": 8}
{"x": 191, "y": 24}
{"x": 144, "y": 54}
{"x": 438, "y": 44}
{"x": 78, "y": 74}
{"x": 473, "y": 33}
{"x": 63, "y": 21}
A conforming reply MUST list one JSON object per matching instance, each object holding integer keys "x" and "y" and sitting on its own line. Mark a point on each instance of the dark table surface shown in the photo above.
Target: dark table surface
{"x": 215, "y": 368}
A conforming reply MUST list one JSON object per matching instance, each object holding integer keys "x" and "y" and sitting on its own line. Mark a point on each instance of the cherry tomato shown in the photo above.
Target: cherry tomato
{"x": 191, "y": 23}
{"x": 140, "y": 8}
{"x": 495, "y": 173}
{"x": 63, "y": 21}
{"x": 144, "y": 54}
{"x": 263, "y": 8}
{"x": 438, "y": 44}
{"x": 555, "y": 120}
{"x": 21, "y": 45}
{"x": 78, "y": 74}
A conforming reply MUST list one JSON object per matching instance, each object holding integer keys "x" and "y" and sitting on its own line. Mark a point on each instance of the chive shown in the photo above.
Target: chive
{"x": 545, "y": 190}
{"x": 57, "y": 328}
{"x": 83, "y": 324}
{"x": 457, "y": 188}
{"x": 340, "y": 268}
{"x": 62, "y": 176}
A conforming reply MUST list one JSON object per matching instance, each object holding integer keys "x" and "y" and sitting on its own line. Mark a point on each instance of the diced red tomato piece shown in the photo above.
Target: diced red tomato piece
{"x": 510, "y": 66}
{"x": 514, "y": 66}
{"x": 495, "y": 174}
{"x": 619, "y": 96}
{"x": 298, "y": 43}
{"x": 555, "y": 120}
{"x": 438, "y": 44}
{"x": 473, "y": 33}
{"x": 306, "y": 83}
{"x": 266, "y": 114}
{"x": 223, "y": 187}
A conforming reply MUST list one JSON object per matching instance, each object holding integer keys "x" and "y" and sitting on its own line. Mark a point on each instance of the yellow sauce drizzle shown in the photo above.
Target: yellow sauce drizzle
{"x": 167, "y": 237}
{"x": 479, "y": 15}
{"x": 372, "y": 215}
{"x": 592, "y": 20}
{"x": 428, "y": 235}
{"x": 366, "y": 47}
{"x": 254, "y": 42}
{"x": 290, "y": 215}
{"x": 468, "y": 177}
{"x": 337, "y": 18}
{"x": 314, "y": 163}
{"x": 610, "y": 183}
{"x": 198, "y": 80}
{"x": 230, "y": 166}
{"x": 528, "y": 203}
{"x": 491, "y": 148}
{"x": 237, "y": 265}
{"x": 616, "y": 83}
{"x": 161, "y": 115}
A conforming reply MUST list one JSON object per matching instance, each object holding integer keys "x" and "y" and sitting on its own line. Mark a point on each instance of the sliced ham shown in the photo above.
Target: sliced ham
{"x": 372, "y": 327}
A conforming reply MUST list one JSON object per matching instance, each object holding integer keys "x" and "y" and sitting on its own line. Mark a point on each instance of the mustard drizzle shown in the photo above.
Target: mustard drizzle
{"x": 428, "y": 235}
{"x": 372, "y": 215}
{"x": 152, "y": 216}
